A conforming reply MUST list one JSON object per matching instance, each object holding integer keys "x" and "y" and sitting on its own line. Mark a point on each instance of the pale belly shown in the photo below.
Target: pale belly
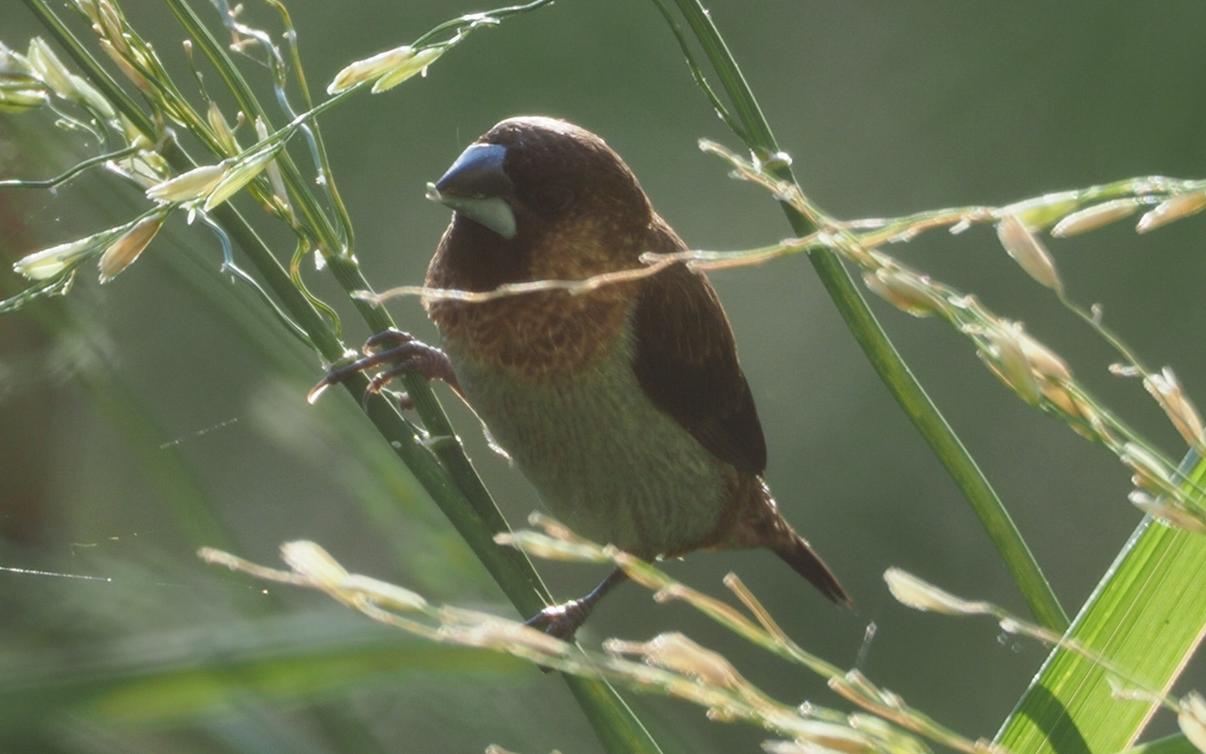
{"x": 606, "y": 461}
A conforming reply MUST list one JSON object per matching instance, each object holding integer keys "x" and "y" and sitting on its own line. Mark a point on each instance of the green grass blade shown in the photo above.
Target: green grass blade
{"x": 185, "y": 675}
{"x": 1147, "y": 617}
{"x": 879, "y": 350}
{"x": 1175, "y": 744}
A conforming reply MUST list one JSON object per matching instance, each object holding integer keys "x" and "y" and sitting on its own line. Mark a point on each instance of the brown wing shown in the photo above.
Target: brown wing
{"x": 686, "y": 361}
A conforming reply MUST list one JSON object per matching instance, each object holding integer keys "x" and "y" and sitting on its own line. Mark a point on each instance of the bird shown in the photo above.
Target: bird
{"x": 625, "y": 407}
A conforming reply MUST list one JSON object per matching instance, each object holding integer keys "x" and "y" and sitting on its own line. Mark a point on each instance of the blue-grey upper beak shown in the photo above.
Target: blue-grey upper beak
{"x": 477, "y": 187}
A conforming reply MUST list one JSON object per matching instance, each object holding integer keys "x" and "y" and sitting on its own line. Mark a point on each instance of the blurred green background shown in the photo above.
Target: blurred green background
{"x": 165, "y": 410}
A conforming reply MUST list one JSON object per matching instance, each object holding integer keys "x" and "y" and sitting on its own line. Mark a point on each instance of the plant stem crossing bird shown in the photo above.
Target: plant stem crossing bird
{"x": 625, "y": 407}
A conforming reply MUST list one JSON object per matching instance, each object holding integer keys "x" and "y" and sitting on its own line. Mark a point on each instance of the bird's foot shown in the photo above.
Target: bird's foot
{"x": 398, "y": 353}
{"x": 562, "y": 621}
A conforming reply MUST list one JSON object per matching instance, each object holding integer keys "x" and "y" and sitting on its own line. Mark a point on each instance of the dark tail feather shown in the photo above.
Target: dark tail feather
{"x": 798, "y": 554}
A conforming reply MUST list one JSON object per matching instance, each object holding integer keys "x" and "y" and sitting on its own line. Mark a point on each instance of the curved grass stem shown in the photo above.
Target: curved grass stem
{"x": 880, "y": 351}
{"x": 71, "y": 172}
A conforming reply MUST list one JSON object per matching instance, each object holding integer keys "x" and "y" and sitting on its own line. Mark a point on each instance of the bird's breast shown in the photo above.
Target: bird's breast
{"x": 606, "y": 460}
{"x": 534, "y": 336}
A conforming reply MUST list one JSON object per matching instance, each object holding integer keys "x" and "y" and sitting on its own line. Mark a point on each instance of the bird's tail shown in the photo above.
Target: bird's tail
{"x": 797, "y": 553}
{"x": 759, "y": 524}
{"x": 779, "y": 536}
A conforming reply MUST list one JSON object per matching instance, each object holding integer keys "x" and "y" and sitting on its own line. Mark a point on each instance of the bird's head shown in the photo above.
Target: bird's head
{"x": 529, "y": 180}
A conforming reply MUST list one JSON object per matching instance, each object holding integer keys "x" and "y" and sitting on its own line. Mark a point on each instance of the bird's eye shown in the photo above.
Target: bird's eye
{"x": 553, "y": 196}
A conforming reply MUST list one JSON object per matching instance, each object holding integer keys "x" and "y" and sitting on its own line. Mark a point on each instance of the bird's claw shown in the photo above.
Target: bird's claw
{"x": 401, "y": 353}
{"x": 334, "y": 376}
{"x": 391, "y": 337}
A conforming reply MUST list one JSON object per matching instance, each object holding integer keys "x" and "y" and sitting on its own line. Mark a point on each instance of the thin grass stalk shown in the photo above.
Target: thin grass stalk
{"x": 71, "y": 172}
{"x": 444, "y": 471}
{"x": 669, "y": 664}
{"x": 347, "y": 273}
{"x": 341, "y": 210}
{"x": 871, "y": 337}
{"x": 178, "y": 489}
{"x": 449, "y": 453}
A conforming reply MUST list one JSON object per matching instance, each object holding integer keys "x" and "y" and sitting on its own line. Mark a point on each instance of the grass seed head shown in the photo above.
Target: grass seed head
{"x": 1192, "y": 719}
{"x": 1167, "y": 391}
{"x": 921, "y": 595}
{"x": 1028, "y": 251}
{"x": 387, "y": 69}
{"x": 121, "y": 253}
{"x": 1171, "y": 210}
{"x": 188, "y": 186}
{"x": 1097, "y": 216}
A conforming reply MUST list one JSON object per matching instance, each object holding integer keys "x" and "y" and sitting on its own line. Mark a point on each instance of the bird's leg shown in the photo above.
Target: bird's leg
{"x": 562, "y": 621}
{"x": 401, "y": 353}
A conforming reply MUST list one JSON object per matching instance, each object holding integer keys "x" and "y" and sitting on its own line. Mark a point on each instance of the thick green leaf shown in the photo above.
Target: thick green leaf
{"x": 1147, "y": 617}
{"x": 1175, "y": 744}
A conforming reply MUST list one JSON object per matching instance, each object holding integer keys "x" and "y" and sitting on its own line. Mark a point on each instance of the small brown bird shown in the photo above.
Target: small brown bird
{"x": 626, "y": 407}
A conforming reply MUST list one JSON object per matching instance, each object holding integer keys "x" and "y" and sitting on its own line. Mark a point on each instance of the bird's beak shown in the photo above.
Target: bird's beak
{"x": 476, "y": 186}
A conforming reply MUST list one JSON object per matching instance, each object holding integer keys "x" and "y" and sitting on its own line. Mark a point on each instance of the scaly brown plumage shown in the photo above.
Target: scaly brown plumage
{"x": 626, "y": 407}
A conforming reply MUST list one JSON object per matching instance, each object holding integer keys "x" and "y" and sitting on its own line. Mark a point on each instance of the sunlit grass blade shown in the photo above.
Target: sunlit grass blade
{"x": 1175, "y": 744}
{"x": 1148, "y": 616}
